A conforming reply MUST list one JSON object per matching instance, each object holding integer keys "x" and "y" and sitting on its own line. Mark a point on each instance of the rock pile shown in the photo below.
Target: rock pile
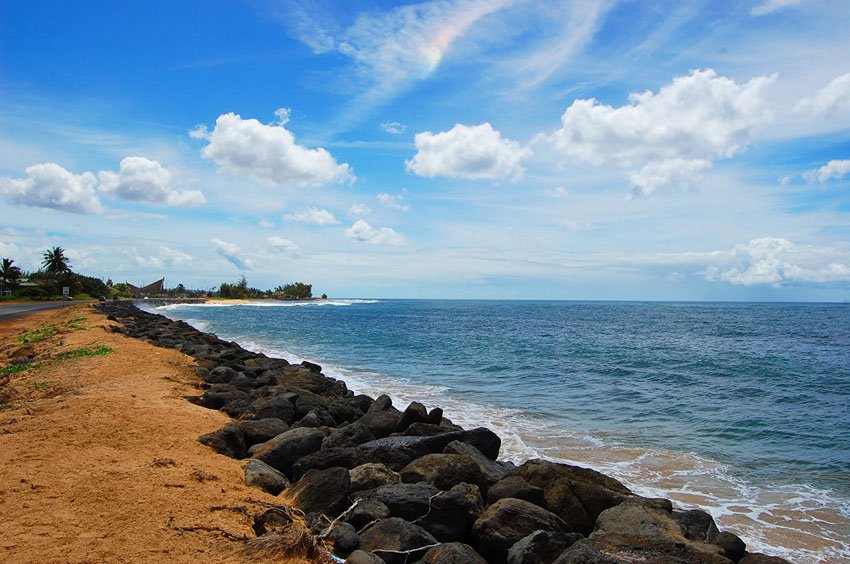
{"x": 381, "y": 484}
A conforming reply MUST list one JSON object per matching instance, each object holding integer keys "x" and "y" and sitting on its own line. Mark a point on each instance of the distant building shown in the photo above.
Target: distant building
{"x": 152, "y": 289}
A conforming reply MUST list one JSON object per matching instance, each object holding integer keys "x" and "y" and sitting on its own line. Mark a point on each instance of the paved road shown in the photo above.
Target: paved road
{"x": 12, "y": 311}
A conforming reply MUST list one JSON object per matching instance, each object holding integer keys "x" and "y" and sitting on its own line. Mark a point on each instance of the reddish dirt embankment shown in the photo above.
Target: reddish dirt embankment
{"x": 99, "y": 459}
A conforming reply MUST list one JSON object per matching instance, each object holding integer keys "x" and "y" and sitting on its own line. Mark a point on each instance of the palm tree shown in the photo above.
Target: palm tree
{"x": 55, "y": 262}
{"x": 9, "y": 273}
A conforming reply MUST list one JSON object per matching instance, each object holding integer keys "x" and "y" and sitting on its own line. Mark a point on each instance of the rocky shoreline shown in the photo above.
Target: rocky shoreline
{"x": 378, "y": 484}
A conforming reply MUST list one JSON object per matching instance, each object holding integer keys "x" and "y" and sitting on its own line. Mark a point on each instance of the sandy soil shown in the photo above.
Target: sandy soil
{"x": 99, "y": 460}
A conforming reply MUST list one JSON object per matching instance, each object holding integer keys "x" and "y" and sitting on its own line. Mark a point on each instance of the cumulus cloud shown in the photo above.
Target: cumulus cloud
{"x": 393, "y": 127}
{"x": 835, "y": 169}
{"x": 776, "y": 261}
{"x": 673, "y": 173}
{"x": 359, "y": 210}
{"x": 769, "y": 6}
{"x": 285, "y": 246}
{"x": 475, "y": 152}
{"x": 832, "y": 98}
{"x": 313, "y": 216}
{"x": 268, "y": 153}
{"x": 48, "y": 185}
{"x": 394, "y": 201}
{"x": 143, "y": 180}
{"x": 698, "y": 116}
{"x": 362, "y": 231}
{"x": 232, "y": 254}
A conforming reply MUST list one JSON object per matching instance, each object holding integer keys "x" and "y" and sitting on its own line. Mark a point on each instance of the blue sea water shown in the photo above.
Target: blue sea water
{"x": 741, "y": 409}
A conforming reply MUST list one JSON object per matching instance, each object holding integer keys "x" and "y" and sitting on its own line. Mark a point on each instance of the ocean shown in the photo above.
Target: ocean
{"x": 740, "y": 409}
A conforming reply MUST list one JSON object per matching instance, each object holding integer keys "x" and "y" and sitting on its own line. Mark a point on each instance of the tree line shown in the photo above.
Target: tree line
{"x": 55, "y": 274}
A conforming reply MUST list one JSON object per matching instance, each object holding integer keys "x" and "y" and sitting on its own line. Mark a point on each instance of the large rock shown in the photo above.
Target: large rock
{"x": 577, "y": 495}
{"x": 415, "y": 413}
{"x": 260, "y": 475}
{"x": 322, "y": 492}
{"x": 258, "y": 431}
{"x": 397, "y": 452}
{"x": 491, "y": 470}
{"x": 363, "y": 557}
{"x": 541, "y": 547}
{"x": 516, "y": 487}
{"x": 697, "y": 525}
{"x": 366, "y": 512}
{"x": 731, "y": 545}
{"x": 508, "y": 521}
{"x": 343, "y": 537}
{"x": 582, "y": 553}
{"x": 285, "y": 449}
{"x": 442, "y": 470}
{"x": 277, "y": 407}
{"x": 221, "y": 375}
{"x": 381, "y": 417}
{"x": 452, "y": 553}
{"x": 638, "y": 530}
{"x": 372, "y": 475}
{"x": 324, "y": 458}
{"x": 306, "y": 379}
{"x": 396, "y": 541}
{"x": 349, "y": 436}
{"x": 228, "y": 441}
{"x": 446, "y": 515}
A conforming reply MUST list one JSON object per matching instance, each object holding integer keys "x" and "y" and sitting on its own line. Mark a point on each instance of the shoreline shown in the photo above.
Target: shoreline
{"x": 796, "y": 520}
{"x": 240, "y": 348}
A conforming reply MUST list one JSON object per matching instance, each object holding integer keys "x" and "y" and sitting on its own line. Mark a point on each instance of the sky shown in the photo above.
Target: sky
{"x": 586, "y": 149}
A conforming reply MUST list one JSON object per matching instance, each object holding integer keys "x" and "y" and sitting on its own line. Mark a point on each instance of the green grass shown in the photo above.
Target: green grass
{"x": 84, "y": 352}
{"x": 17, "y": 368}
{"x": 36, "y": 336}
{"x": 75, "y": 323}
{"x": 5, "y": 406}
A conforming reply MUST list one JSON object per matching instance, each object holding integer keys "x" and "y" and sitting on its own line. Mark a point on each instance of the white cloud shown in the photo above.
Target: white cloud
{"x": 776, "y": 261}
{"x": 313, "y": 216}
{"x": 769, "y": 6}
{"x": 175, "y": 257}
{"x": 143, "y": 180}
{"x": 832, "y": 98}
{"x": 698, "y": 116}
{"x": 557, "y": 193}
{"x": 359, "y": 210}
{"x": 265, "y": 224}
{"x": 673, "y": 173}
{"x": 476, "y": 152}
{"x": 285, "y": 246}
{"x": 268, "y": 154}
{"x": 394, "y": 201}
{"x": 48, "y": 185}
{"x": 362, "y": 231}
{"x": 394, "y": 49}
{"x": 232, "y": 254}
{"x": 7, "y": 249}
{"x": 393, "y": 127}
{"x": 835, "y": 169}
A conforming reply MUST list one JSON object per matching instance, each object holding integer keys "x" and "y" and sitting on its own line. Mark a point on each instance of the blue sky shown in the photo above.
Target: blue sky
{"x": 500, "y": 149}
